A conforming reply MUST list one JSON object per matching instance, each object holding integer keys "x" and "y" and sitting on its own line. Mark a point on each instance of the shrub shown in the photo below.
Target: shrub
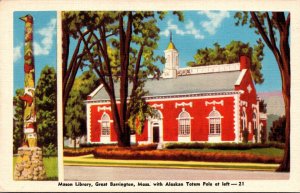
{"x": 222, "y": 146}
{"x": 50, "y": 150}
{"x": 180, "y": 155}
{"x": 79, "y": 151}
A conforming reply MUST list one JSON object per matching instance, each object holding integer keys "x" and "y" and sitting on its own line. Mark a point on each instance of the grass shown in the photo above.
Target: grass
{"x": 272, "y": 152}
{"x": 89, "y": 160}
{"x": 51, "y": 166}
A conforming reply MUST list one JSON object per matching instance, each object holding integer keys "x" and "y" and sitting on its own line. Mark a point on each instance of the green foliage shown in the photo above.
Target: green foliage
{"x": 50, "y": 150}
{"x": 270, "y": 119}
{"x": 230, "y": 54}
{"x": 18, "y": 121}
{"x": 277, "y": 132}
{"x": 75, "y": 115}
{"x": 46, "y": 106}
{"x": 119, "y": 46}
{"x": 263, "y": 134}
{"x": 262, "y": 106}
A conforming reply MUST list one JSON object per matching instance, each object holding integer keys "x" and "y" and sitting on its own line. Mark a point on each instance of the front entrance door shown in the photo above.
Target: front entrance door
{"x": 155, "y": 134}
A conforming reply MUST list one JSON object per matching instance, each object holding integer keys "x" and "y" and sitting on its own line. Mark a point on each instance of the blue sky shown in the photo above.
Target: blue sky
{"x": 202, "y": 29}
{"x": 44, "y": 43}
{"x": 199, "y": 30}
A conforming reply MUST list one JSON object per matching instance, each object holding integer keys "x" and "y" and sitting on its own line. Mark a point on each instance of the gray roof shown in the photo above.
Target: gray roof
{"x": 198, "y": 83}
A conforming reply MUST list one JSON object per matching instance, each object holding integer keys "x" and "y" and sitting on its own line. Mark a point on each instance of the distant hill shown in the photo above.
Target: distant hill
{"x": 274, "y": 101}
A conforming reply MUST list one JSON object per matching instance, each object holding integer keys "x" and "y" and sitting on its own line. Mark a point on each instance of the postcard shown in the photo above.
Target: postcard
{"x": 149, "y": 96}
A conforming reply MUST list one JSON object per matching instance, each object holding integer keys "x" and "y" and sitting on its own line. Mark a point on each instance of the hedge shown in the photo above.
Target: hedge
{"x": 222, "y": 146}
{"x": 180, "y": 155}
{"x": 78, "y": 151}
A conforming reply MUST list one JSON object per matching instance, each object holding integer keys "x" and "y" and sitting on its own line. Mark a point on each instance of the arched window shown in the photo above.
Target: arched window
{"x": 254, "y": 121}
{"x": 244, "y": 119}
{"x": 105, "y": 124}
{"x": 214, "y": 122}
{"x": 184, "y": 121}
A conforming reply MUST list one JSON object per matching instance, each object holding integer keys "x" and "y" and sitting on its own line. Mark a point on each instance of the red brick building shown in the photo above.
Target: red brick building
{"x": 212, "y": 103}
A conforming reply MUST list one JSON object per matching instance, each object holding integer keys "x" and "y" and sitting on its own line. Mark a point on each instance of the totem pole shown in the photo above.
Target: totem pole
{"x": 29, "y": 88}
{"x": 29, "y": 164}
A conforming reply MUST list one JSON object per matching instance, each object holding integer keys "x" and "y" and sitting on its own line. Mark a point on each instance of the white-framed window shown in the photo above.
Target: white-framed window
{"x": 244, "y": 119}
{"x": 254, "y": 120}
{"x": 105, "y": 125}
{"x": 184, "y": 123}
{"x": 214, "y": 122}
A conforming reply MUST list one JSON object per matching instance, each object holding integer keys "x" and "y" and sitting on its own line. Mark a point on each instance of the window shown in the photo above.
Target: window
{"x": 254, "y": 121}
{"x": 214, "y": 122}
{"x": 184, "y": 121}
{"x": 105, "y": 124}
{"x": 244, "y": 119}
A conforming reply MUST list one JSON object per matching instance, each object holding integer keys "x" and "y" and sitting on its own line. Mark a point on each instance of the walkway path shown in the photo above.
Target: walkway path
{"x": 81, "y": 173}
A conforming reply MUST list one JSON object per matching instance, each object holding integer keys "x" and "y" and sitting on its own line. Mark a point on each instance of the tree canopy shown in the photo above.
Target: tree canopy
{"x": 46, "y": 106}
{"x": 119, "y": 47}
{"x": 75, "y": 117}
{"x": 277, "y": 130}
{"x": 230, "y": 54}
{"x": 18, "y": 133}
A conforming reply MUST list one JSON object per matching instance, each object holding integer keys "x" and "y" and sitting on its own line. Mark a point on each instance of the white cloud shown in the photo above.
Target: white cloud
{"x": 215, "y": 18}
{"x": 47, "y": 33}
{"x": 17, "y": 52}
{"x": 189, "y": 29}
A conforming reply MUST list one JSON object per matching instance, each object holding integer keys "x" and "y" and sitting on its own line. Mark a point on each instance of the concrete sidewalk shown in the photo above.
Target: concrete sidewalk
{"x": 81, "y": 173}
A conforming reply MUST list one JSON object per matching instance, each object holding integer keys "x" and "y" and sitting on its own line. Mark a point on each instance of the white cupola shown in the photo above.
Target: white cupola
{"x": 172, "y": 61}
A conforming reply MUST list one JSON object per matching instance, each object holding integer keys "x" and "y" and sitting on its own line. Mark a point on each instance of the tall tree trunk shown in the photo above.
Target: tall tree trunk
{"x": 286, "y": 85}
{"x": 65, "y": 57}
{"x": 282, "y": 56}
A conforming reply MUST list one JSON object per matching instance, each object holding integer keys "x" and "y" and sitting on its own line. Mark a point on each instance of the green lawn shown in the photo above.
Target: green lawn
{"x": 51, "y": 167}
{"x": 89, "y": 160}
{"x": 256, "y": 151}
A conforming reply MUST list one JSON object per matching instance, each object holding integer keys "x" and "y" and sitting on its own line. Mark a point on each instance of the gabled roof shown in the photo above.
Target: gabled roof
{"x": 198, "y": 83}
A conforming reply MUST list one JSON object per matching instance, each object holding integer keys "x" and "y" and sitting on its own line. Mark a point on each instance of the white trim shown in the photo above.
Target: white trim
{"x": 240, "y": 78}
{"x": 254, "y": 106}
{"x": 210, "y": 69}
{"x": 178, "y": 123}
{"x": 214, "y": 138}
{"x": 158, "y": 105}
{"x": 191, "y": 98}
{"x": 221, "y": 102}
{"x": 103, "y": 108}
{"x": 183, "y": 104}
{"x": 96, "y": 90}
{"x": 243, "y": 103}
{"x": 105, "y": 139}
{"x": 178, "y": 96}
{"x": 151, "y": 121}
{"x": 100, "y": 121}
{"x": 182, "y": 138}
{"x": 249, "y": 88}
{"x": 88, "y": 122}
{"x": 255, "y": 124}
{"x": 236, "y": 118}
